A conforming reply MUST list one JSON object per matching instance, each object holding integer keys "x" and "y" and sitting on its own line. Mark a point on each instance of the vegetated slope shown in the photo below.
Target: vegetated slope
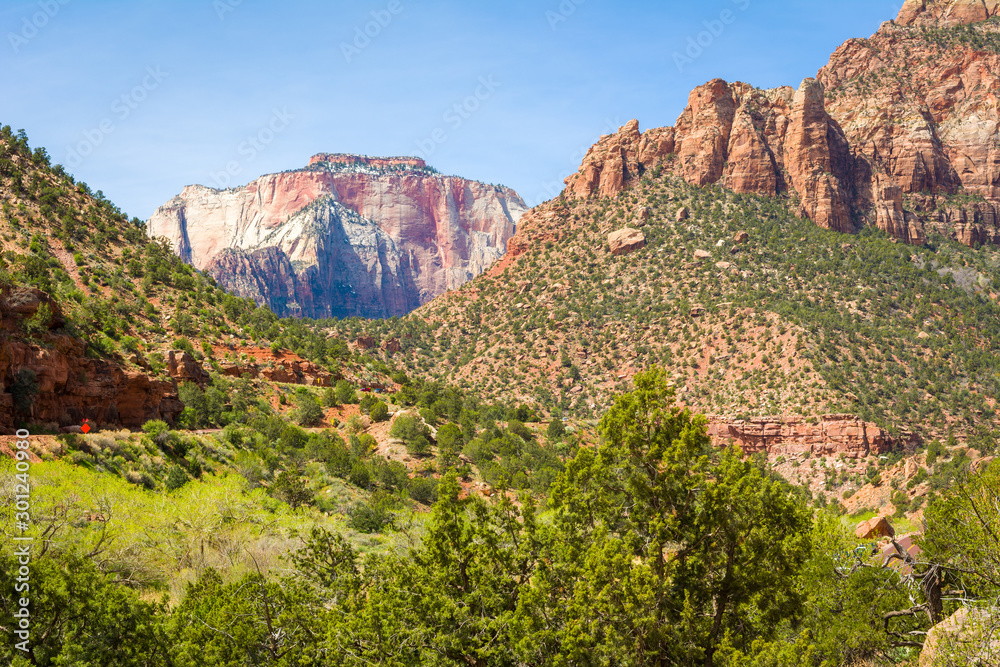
{"x": 752, "y": 310}
{"x": 347, "y": 235}
{"x": 104, "y": 327}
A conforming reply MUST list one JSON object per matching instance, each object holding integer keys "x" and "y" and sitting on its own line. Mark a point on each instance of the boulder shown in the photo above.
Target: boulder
{"x": 979, "y": 465}
{"x": 643, "y": 215}
{"x": 683, "y": 214}
{"x": 966, "y": 638}
{"x": 702, "y": 254}
{"x": 626, "y": 240}
{"x": 741, "y": 237}
{"x": 182, "y": 367}
{"x": 874, "y": 528}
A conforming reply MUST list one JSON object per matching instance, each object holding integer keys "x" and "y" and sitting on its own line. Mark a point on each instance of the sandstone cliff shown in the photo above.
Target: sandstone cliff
{"x": 899, "y": 131}
{"x": 828, "y": 436}
{"x": 348, "y": 235}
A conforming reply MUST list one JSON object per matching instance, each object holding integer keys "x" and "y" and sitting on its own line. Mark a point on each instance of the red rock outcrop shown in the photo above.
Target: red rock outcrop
{"x": 347, "y": 159}
{"x": 348, "y": 235}
{"x": 817, "y": 157}
{"x": 900, "y": 131}
{"x": 874, "y": 528}
{"x": 830, "y": 436}
{"x": 918, "y": 104}
{"x": 624, "y": 241}
{"x": 182, "y": 367}
{"x": 946, "y": 12}
{"x": 618, "y": 158}
{"x": 298, "y": 372}
{"x": 72, "y": 387}
{"x": 746, "y": 139}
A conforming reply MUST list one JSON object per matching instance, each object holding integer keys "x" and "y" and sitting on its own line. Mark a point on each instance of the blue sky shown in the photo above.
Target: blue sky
{"x": 141, "y": 97}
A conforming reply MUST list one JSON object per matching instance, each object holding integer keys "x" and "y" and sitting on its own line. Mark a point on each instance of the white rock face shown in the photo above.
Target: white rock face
{"x": 332, "y": 240}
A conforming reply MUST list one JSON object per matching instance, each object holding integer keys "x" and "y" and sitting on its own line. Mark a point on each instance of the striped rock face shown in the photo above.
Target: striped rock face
{"x": 346, "y": 236}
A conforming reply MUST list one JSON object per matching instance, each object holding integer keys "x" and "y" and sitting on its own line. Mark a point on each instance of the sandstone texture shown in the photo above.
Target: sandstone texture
{"x": 346, "y": 236}
{"x": 874, "y": 528}
{"x": 970, "y": 636}
{"x": 72, "y": 387}
{"x": 946, "y": 12}
{"x": 828, "y": 436}
{"x": 900, "y": 132}
{"x": 627, "y": 240}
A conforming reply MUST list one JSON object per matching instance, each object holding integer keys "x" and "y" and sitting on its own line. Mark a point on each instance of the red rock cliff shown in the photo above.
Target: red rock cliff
{"x": 829, "y": 436}
{"x": 899, "y": 131}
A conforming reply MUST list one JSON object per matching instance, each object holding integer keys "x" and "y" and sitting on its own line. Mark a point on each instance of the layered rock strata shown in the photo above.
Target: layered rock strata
{"x": 900, "y": 131}
{"x": 347, "y": 236}
{"x": 829, "y": 435}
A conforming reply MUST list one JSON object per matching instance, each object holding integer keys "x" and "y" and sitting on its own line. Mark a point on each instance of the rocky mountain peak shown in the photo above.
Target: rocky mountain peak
{"x": 349, "y": 160}
{"x": 899, "y": 132}
{"x": 348, "y": 235}
{"x": 947, "y": 13}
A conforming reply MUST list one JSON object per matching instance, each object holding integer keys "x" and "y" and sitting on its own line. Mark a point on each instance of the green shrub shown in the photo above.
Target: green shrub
{"x": 176, "y": 478}
{"x": 184, "y": 345}
{"x": 345, "y": 392}
{"x": 158, "y": 431}
{"x": 379, "y": 412}
{"x": 413, "y": 433}
{"x": 290, "y": 488}
{"x": 424, "y": 490}
{"x": 24, "y": 390}
{"x": 370, "y": 517}
{"x": 308, "y": 411}
{"x": 330, "y": 398}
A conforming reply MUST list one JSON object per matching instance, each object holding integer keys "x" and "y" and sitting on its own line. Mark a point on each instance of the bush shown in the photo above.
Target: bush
{"x": 934, "y": 450}
{"x": 392, "y": 476}
{"x": 424, "y": 490}
{"x": 366, "y": 403}
{"x": 556, "y": 430}
{"x": 176, "y": 478}
{"x": 413, "y": 433}
{"x": 308, "y": 411}
{"x": 184, "y": 345}
{"x": 24, "y": 389}
{"x": 370, "y": 517}
{"x": 345, "y": 392}
{"x": 379, "y": 412}
{"x": 330, "y": 398}
{"x": 361, "y": 475}
{"x": 158, "y": 431}
{"x": 290, "y": 488}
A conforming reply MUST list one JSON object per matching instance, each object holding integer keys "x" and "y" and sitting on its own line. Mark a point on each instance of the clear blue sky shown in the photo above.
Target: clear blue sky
{"x": 141, "y": 97}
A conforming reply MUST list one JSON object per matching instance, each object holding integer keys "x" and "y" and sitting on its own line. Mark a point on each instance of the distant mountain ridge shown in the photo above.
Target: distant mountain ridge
{"x": 349, "y": 235}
